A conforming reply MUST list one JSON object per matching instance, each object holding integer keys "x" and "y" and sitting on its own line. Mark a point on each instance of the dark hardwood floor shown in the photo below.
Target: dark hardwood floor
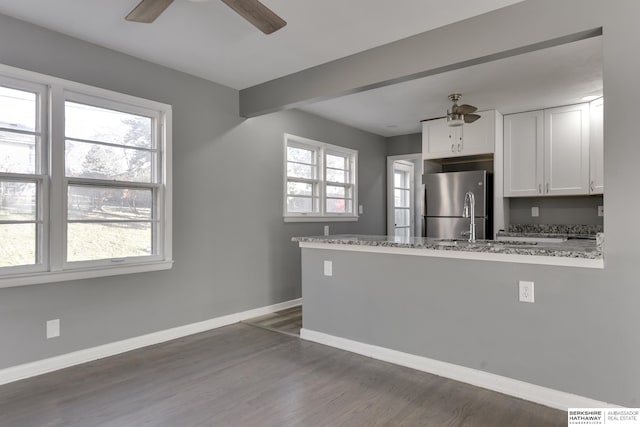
{"x": 287, "y": 321}
{"x": 241, "y": 375}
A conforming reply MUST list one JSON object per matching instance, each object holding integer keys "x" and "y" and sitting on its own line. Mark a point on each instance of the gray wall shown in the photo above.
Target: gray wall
{"x": 404, "y": 144}
{"x": 232, "y": 249}
{"x": 467, "y": 313}
{"x": 581, "y": 334}
{"x": 556, "y": 210}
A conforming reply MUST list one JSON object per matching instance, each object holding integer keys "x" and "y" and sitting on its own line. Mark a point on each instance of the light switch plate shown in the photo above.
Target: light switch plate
{"x": 328, "y": 268}
{"x": 360, "y": 210}
{"x": 535, "y": 211}
{"x": 53, "y": 328}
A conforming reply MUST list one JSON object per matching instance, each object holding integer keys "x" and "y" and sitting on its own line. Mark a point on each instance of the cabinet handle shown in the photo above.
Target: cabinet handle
{"x": 453, "y": 148}
{"x": 547, "y": 188}
{"x": 540, "y": 188}
{"x": 592, "y": 186}
{"x": 459, "y": 147}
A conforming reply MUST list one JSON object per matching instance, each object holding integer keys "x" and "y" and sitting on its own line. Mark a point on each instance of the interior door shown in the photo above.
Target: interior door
{"x": 403, "y": 199}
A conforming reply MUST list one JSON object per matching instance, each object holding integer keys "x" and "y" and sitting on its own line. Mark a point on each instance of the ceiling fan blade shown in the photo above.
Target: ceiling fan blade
{"x": 148, "y": 10}
{"x": 258, "y": 14}
{"x": 465, "y": 109}
{"x": 470, "y": 118}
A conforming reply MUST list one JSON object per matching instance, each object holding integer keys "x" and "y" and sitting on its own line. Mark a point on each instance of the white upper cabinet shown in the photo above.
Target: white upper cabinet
{"x": 479, "y": 137}
{"x": 523, "y": 154}
{"x": 441, "y": 141}
{"x": 566, "y": 150}
{"x": 437, "y": 140}
{"x": 546, "y": 153}
{"x": 596, "y": 147}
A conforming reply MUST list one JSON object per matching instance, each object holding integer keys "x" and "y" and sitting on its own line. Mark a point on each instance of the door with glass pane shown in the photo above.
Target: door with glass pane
{"x": 403, "y": 188}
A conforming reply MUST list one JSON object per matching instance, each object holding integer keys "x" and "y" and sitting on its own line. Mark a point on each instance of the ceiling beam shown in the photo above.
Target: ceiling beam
{"x": 513, "y": 30}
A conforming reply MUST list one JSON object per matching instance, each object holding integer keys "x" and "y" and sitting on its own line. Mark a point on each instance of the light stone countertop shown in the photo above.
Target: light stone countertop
{"x": 555, "y": 229}
{"x": 572, "y": 248}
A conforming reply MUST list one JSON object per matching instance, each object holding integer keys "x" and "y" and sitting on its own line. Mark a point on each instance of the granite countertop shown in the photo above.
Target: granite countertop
{"x": 573, "y": 248}
{"x": 552, "y": 230}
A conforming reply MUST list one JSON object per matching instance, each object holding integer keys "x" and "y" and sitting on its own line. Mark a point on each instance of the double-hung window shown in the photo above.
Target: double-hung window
{"x": 23, "y": 175}
{"x": 320, "y": 181}
{"x": 111, "y": 181}
{"x": 84, "y": 181}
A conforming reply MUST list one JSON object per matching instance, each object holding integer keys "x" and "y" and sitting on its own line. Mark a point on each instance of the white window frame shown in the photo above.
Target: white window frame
{"x": 321, "y": 149}
{"x": 39, "y": 177}
{"x": 52, "y": 266}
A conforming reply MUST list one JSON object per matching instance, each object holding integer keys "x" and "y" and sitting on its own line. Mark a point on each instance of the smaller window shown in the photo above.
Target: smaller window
{"x": 320, "y": 181}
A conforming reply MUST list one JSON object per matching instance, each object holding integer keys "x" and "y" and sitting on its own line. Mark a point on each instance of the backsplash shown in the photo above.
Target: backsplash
{"x": 556, "y": 210}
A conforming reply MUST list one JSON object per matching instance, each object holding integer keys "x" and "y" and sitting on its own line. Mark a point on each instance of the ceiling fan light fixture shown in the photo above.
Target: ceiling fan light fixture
{"x": 458, "y": 115}
{"x": 455, "y": 120}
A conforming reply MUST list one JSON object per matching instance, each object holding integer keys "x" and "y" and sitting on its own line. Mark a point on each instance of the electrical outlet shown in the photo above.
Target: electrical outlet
{"x": 53, "y": 328}
{"x": 600, "y": 210}
{"x": 535, "y": 211}
{"x": 526, "y": 291}
{"x": 326, "y": 230}
{"x": 328, "y": 268}
{"x": 360, "y": 209}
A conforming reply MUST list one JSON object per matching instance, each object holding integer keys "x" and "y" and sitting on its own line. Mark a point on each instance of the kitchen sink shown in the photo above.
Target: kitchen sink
{"x": 534, "y": 240}
{"x": 448, "y": 242}
{"x": 456, "y": 242}
{"x": 486, "y": 243}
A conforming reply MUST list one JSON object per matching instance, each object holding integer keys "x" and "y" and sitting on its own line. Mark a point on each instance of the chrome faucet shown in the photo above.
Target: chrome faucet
{"x": 469, "y": 211}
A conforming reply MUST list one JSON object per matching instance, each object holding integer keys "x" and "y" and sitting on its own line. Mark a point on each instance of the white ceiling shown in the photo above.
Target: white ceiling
{"x": 555, "y": 76}
{"x": 211, "y": 41}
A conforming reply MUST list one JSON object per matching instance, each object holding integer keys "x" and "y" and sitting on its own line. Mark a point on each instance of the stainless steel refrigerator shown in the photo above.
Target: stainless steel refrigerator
{"x": 444, "y": 203}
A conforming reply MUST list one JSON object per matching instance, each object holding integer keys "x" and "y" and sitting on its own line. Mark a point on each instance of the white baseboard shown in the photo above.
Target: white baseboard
{"x": 520, "y": 389}
{"x": 40, "y": 367}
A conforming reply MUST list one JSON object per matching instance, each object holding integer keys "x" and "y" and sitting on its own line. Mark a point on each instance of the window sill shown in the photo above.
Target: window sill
{"x": 78, "y": 274}
{"x": 320, "y": 218}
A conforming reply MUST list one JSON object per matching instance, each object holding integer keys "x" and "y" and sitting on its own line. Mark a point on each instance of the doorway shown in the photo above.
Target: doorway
{"x": 404, "y": 195}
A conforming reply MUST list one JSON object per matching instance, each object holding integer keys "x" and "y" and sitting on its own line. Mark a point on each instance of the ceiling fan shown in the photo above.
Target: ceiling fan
{"x": 252, "y": 10}
{"x": 458, "y": 115}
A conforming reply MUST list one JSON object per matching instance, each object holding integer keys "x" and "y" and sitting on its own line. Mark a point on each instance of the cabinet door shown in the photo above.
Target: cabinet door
{"x": 596, "y": 147}
{"x": 478, "y": 137}
{"x": 566, "y": 150}
{"x": 523, "y": 154}
{"x": 437, "y": 140}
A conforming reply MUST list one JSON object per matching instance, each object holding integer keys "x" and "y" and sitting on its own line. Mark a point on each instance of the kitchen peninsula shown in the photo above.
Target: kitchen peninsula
{"x": 451, "y": 307}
